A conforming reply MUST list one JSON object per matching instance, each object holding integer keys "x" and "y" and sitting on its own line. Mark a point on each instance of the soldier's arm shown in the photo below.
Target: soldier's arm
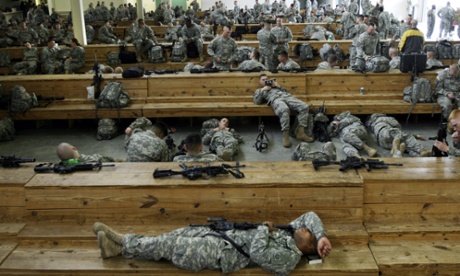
{"x": 141, "y": 122}
{"x": 311, "y": 221}
{"x": 237, "y": 136}
{"x": 208, "y": 136}
{"x": 259, "y": 96}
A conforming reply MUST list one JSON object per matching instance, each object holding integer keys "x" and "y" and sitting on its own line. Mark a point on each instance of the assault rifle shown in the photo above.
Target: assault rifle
{"x": 441, "y": 137}
{"x": 205, "y": 70}
{"x": 64, "y": 168}
{"x": 221, "y": 224}
{"x": 260, "y": 144}
{"x": 355, "y": 163}
{"x": 195, "y": 172}
{"x": 11, "y": 161}
{"x": 48, "y": 100}
{"x": 97, "y": 78}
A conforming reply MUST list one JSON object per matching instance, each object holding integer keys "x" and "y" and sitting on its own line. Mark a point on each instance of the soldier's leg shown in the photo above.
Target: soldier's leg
{"x": 283, "y": 113}
{"x": 446, "y": 105}
{"x": 18, "y": 67}
{"x": 350, "y": 151}
{"x": 302, "y": 116}
{"x": 67, "y": 68}
{"x": 199, "y": 46}
{"x": 351, "y": 138}
{"x": 33, "y": 67}
{"x": 329, "y": 150}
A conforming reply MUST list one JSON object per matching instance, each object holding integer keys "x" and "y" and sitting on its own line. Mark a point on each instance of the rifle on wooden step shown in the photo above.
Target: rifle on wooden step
{"x": 11, "y": 161}
{"x": 65, "y": 168}
{"x": 195, "y": 172}
{"x": 354, "y": 163}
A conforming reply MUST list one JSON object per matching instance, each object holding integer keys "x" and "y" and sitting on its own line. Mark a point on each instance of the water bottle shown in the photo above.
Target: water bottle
{"x": 361, "y": 91}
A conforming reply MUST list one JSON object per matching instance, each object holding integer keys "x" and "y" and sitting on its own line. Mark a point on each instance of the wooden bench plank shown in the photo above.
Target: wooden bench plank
{"x": 6, "y": 247}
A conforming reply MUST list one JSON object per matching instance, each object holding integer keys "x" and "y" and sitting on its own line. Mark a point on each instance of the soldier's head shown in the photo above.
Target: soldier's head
{"x": 305, "y": 241}
{"x": 226, "y": 31}
{"x": 409, "y": 19}
{"x": 23, "y": 25}
{"x": 283, "y": 56}
{"x": 66, "y": 151}
{"x": 453, "y": 70}
{"x": 332, "y": 60}
{"x": 448, "y": 4}
{"x": 430, "y": 55}
{"x": 188, "y": 22}
{"x": 255, "y": 54}
{"x": 28, "y": 45}
{"x": 371, "y": 28}
{"x": 51, "y": 42}
{"x": 160, "y": 129}
{"x": 279, "y": 21}
{"x": 433, "y": 7}
{"x": 193, "y": 143}
{"x": 360, "y": 18}
{"x": 140, "y": 22}
{"x": 454, "y": 121}
{"x": 413, "y": 24}
{"x": 223, "y": 123}
{"x": 366, "y": 19}
{"x": 393, "y": 52}
{"x": 74, "y": 43}
{"x": 107, "y": 23}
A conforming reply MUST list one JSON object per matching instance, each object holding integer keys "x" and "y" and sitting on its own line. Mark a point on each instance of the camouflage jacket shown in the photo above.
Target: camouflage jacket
{"x": 445, "y": 83}
{"x": 454, "y": 150}
{"x": 95, "y": 158}
{"x": 211, "y": 135}
{"x": 266, "y": 41}
{"x": 270, "y": 96}
{"x": 145, "y": 146}
{"x": 30, "y": 54}
{"x": 78, "y": 55}
{"x": 368, "y": 45}
{"x": 223, "y": 48}
{"x": 49, "y": 55}
{"x": 288, "y": 65}
{"x": 282, "y": 33}
{"x": 201, "y": 157}
{"x": 251, "y": 65}
{"x": 193, "y": 32}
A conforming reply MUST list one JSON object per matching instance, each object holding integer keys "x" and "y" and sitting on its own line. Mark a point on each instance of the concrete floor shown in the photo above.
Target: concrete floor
{"x": 40, "y": 143}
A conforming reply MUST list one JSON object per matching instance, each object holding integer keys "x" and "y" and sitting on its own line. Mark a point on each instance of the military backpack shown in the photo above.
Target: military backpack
{"x": 156, "y": 54}
{"x": 21, "y": 100}
{"x": 304, "y": 52}
{"x": 7, "y": 131}
{"x": 243, "y": 53}
{"x": 177, "y": 52}
{"x": 444, "y": 49}
{"x": 113, "y": 58}
{"x": 106, "y": 129}
{"x": 325, "y": 51}
{"x": 4, "y": 59}
{"x": 339, "y": 53}
{"x": 456, "y": 51}
{"x": 113, "y": 96}
{"x": 378, "y": 64}
{"x": 419, "y": 92}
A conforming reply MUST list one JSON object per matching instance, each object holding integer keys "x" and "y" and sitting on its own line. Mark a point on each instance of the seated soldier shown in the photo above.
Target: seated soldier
{"x": 286, "y": 63}
{"x": 144, "y": 143}
{"x": 352, "y": 133}
{"x": 395, "y": 59}
{"x": 431, "y": 61}
{"x": 331, "y": 62}
{"x": 194, "y": 151}
{"x": 454, "y": 128}
{"x": 76, "y": 59}
{"x": 68, "y": 153}
{"x": 28, "y": 65}
{"x": 223, "y": 140}
{"x": 389, "y": 135}
{"x": 144, "y": 39}
{"x": 303, "y": 152}
{"x": 253, "y": 63}
{"x": 198, "y": 248}
{"x": 106, "y": 35}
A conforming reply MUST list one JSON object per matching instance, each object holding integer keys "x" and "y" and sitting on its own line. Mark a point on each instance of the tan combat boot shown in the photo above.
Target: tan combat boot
{"x": 402, "y": 148}
{"x": 201, "y": 58}
{"x": 286, "y": 141}
{"x": 301, "y": 136}
{"x": 425, "y": 153}
{"x": 395, "y": 147}
{"x": 109, "y": 232}
{"x": 370, "y": 151}
{"x": 108, "y": 247}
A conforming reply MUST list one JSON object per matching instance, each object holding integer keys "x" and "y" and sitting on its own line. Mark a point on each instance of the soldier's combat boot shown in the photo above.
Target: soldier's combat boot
{"x": 201, "y": 58}
{"x": 425, "y": 153}
{"x": 402, "y": 148}
{"x": 109, "y": 232}
{"x": 395, "y": 147}
{"x": 370, "y": 151}
{"x": 108, "y": 247}
{"x": 301, "y": 136}
{"x": 226, "y": 155}
{"x": 286, "y": 141}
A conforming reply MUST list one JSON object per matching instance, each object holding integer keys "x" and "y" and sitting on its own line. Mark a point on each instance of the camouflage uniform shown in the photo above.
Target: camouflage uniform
{"x": 303, "y": 153}
{"x": 433, "y": 62}
{"x": 395, "y": 62}
{"x": 144, "y": 39}
{"x": 172, "y": 34}
{"x": 266, "y": 42}
{"x": 454, "y": 150}
{"x": 386, "y": 129}
{"x": 223, "y": 48}
{"x": 105, "y": 35}
{"x": 223, "y": 142}
{"x": 367, "y": 45}
{"x": 431, "y": 16}
{"x": 168, "y": 16}
{"x": 282, "y": 103}
{"x": 447, "y": 15}
{"x": 354, "y": 34}
{"x": 288, "y": 65}
{"x": 384, "y": 24}
{"x": 130, "y": 34}
{"x": 95, "y": 158}
{"x": 251, "y": 65}
{"x": 122, "y": 14}
{"x": 352, "y": 133}
{"x": 27, "y": 35}
{"x": 353, "y": 8}
{"x": 446, "y": 84}
{"x": 78, "y": 60}
{"x": 367, "y": 6}
{"x": 194, "y": 34}
{"x": 58, "y": 35}
{"x": 198, "y": 248}
{"x": 195, "y": 5}
{"x": 201, "y": 157}
{"x": 145, "y": 146}
{"x": 29, "y": 63}
{"x": 43, "y": 35}
{"x": 348, "y": 21}
{"x": 89, "y": 34}
{"x": 206, "y": 33}
{"x": 281, "y": 33}
{"x": 50, "y": 64}
{"x": 324, "y": 65}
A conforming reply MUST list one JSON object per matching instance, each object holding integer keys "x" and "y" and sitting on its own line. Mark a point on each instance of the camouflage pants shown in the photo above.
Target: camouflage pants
{"x": 352, "y": 51}
{"x": 283, "y": 106}
{"x": 52, "y": 68}
{"x": 25, "y": 67}
{"x": 107, "y": 40}
{"x": 198, "y": 44}
{"x": 72, "y": 66}
{"x": 386, "y": 135}
{"x": 354, "y": 138}
{"x": 446, "y": 105}
{"x": 225, "y": 144}
{"x": 445, "y": 26}
{"x": 142, "y": 46}
{"x": 187, "y": 248}
{"x": 268, "y": 60}
{"x": 430, "y": 30}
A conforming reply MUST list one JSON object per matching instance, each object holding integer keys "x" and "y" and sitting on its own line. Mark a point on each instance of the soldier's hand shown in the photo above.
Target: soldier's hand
{"x": 219, "y": 60}
{"x": 128, "y": 130}
{"x": 324, "y": 247}
{"x": 441, "y": 146}
{"x": 450, "y": 96}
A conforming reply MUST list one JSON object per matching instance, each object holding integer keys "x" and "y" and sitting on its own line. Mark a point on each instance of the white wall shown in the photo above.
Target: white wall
{"x": 64, "y": 5}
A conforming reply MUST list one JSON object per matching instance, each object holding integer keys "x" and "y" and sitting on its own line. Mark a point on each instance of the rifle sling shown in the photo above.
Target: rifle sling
{"x": 232, "y": 242}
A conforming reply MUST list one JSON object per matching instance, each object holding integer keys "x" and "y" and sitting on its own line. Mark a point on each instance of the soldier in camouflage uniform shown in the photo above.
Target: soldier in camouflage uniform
{"x": 172, "y": 33}
{"x": 144, "y": 39}
{"x": 106, "y": 35}
{"x": 195, "y": 6}
{"x": 194, "y": 151}
{"x": 113, "y": 12}
{"x": 454, "y": 126}
{"x": 402, "y": 28}
{"x": 303, "y": 153}
{"x": 66, "y": 152}
{"x": 286, "y": 63}
{"x": 89, "y": 33}
{"x": 358, "y": 29}
{"x": 168, "y": 15}
{"x": 431, "y": 16}
{"x": 122, "y": 13}
{"x": 329, "y": 64}
{"x": 447, "y": 15}
{"x": 389, "y": 135}
{"x": 283, "y": 35}
{"x": 222, "y": 49}
{"x": 27, "y": 34}
{"x": 352, "y": 133}
{"x": 69, "y": 35}
{"x": 148, "y": 145}
{"x": 447, "y": 86}
{"x": 384, "y": 23}
{"x": 348, "y": 20}
{"x": 198, "y": 248}
{"x": 395, "y": 59}
{"x": 43, "y": 34}
{"x": 76, "y": 59}
{"x": 267, "y": 41}
{"x": 223, "y": 140}
{"x": 30, "y": 61}
{"x": 368, "y": 43}
{"x": 191, "y": 33}
{"x": 49, "y": 55}
{"x": 206, "y": 32}
{"x": 253, "y": 63}
{"x": 282, "y": 103}
{"x": 432, "y": 61}
{"x": 57, "y": 33}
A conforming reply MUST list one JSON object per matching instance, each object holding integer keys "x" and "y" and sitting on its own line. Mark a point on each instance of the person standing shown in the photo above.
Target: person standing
{"x": 222, "y": 49}
{"x": 431, "y": 16}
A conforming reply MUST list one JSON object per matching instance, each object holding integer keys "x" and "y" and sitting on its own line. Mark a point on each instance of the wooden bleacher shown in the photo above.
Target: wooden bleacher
{"x": 193, "y": 95}
{"x": 383, "y": 222}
